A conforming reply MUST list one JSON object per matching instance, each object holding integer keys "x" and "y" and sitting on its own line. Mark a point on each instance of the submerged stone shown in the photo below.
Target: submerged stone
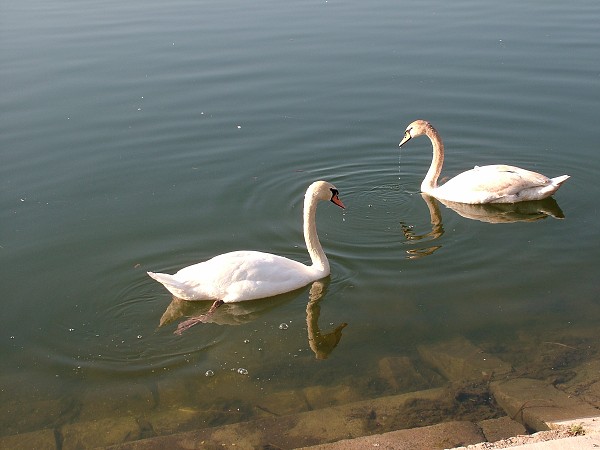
{"x": 39, "y": 440}
{"x": 460, "y": 360}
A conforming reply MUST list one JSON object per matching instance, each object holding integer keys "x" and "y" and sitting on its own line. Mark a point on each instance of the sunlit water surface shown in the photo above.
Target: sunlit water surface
{"x": 149, "y": 135}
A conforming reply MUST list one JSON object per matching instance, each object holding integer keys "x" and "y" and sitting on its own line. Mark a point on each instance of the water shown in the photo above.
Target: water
{"x": 149, "y": 136}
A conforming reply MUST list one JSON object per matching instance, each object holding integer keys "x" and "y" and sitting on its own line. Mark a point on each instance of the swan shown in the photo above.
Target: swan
{"x": 497, "y": 183}
{"x": 248, "y": 275}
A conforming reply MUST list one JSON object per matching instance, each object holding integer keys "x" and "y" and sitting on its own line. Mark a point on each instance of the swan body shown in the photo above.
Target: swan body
{"x": 248, "y": 275}
{"x": 498, "y": 183}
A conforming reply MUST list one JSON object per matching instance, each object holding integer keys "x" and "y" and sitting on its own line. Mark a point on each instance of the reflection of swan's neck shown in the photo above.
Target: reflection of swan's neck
{"x": 321, "y": 344}
{"x": 430, "y": 181}
{"x": 317, "y": 255}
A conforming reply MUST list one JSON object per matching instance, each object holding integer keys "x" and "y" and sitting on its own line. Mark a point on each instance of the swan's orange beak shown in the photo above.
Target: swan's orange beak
{"x": 335, "y": 199}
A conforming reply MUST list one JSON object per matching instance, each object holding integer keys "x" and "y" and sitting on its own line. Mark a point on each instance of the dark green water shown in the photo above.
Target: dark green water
{"x": 149, "y": 135}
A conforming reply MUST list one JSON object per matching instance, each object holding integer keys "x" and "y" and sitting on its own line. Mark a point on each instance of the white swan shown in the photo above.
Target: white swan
{"x": 486, "y": 184}
{"x": 248, "y": 275}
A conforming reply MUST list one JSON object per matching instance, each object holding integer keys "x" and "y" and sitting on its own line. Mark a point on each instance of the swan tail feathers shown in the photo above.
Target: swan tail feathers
{"x": 552, "y": 187}
{"x": 560, "y": 180}
{"x": 174, "y": 286}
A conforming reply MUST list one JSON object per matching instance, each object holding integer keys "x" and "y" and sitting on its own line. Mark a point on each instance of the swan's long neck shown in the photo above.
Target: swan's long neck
{"x": 317, "y": 255}
{"x": 430, "y": 181}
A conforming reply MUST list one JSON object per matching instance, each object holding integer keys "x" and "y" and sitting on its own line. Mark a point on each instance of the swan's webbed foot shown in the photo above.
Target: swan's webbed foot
{"x": 187, "y": 324}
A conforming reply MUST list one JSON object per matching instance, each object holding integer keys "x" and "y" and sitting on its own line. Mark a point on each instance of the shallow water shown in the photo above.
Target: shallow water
{"x": 149, "y": 136}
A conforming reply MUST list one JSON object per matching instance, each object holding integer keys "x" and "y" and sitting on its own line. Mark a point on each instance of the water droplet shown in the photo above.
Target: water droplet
{"x": 283, "y": 326}
{"x": 71, "y": 329}
{"x": 246, "y": 341}
{"x": 139, "y": 336}
{"x": 242, "y": 371}
{"x": 209, "y": 373}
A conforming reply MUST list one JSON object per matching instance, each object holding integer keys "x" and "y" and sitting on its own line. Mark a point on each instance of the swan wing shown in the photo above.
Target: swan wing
{"x": 497, "y": 183}
{"x": 238, "y": 276}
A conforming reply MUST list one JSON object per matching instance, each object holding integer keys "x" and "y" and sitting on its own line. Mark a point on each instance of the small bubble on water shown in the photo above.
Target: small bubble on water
{"x": 242, "y": 371}
{"x": 283, "y": 326}
{"x": 139, "y": 336}
{"x": 209, "y": 373}
{"x": 246, "y": 341}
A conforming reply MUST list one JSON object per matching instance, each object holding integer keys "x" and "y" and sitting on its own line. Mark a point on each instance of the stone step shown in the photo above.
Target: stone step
{"x": 337, "y": 413}
{"x": 541, "y": 406}
{"x": 332, "y": 424}
{"x": 501, "y": 428}
{"x": 441, "y": 436}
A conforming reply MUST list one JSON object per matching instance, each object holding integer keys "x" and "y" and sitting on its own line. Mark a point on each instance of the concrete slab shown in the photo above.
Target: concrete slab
{"x": 541, "y": 406}
{"x": 572, "y": 443}
{"x": 501, "y": 428}
{"x": 543, "y": 440}
{"x": 441, "y": 436}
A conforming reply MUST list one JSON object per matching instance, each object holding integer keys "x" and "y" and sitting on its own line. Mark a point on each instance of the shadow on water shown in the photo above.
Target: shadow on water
{"x": 488, "y": 213}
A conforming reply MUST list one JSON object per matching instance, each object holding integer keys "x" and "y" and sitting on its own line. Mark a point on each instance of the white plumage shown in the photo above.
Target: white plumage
{"x": 497, "y": 183}
{"x": 248, "y": 275}
{"x": 238, "y": 276}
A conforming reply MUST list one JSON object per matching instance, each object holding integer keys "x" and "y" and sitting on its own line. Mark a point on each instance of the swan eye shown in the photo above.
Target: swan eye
{"x": 334, "y": 192}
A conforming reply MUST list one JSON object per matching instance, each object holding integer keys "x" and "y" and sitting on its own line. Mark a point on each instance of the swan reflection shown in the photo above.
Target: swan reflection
{"x": 322, "y": 344}
{"x": 488, "y": 213}
{"x": 437, "y": 230}
{"x": 508, "y": 212}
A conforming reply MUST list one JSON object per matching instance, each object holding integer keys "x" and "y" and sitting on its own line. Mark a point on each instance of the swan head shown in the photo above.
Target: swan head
{"x": 323, "y": 190}
{"x": 416, "y": 128}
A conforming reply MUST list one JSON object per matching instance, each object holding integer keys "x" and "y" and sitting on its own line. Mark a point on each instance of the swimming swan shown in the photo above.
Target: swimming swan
{"x": 248, "y": 275}
{"x": 486, "y": 184}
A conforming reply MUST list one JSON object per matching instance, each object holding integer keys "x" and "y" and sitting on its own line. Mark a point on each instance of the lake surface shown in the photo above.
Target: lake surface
{"x": 140, "y": 136}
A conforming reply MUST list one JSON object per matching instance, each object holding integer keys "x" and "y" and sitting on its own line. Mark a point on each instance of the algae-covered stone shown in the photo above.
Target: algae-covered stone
{"x": 19, "y": 416}
{"x": 124, "y": 400}
{"x": 402, "y": 376}
{"x": 460, "y": 360}
{"x": 586, "y": 383}
{"x": 281, "y": 403}
{"x": 307, "y": 428}
{"x": 38, "y": 440}
{"x": 186, "y": 418}
{"x": 326, "y": 396}
{"x": 100, "y": 433}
